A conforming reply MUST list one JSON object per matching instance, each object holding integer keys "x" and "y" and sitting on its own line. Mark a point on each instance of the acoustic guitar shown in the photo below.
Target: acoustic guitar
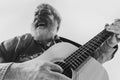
{"x": 77, "y": 62}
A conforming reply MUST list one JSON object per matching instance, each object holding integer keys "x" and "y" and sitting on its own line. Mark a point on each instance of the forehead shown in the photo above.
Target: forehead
{"x": 44, "y": 6}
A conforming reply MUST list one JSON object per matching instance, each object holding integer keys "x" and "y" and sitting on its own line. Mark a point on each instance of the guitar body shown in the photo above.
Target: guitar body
{"x": 89, "y": 70}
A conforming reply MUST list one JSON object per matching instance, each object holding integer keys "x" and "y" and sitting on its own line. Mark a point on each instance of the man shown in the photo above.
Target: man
{"x": 24, "y": 49}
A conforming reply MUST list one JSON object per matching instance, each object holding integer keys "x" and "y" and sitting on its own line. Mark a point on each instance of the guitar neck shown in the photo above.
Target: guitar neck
{"x": 80, "y": 55}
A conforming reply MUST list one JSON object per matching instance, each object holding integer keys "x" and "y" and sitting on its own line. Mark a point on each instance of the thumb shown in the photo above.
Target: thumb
{"x": 53, "y": 67}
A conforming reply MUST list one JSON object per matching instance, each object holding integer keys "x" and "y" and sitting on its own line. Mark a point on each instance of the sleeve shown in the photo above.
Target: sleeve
{"x": 3, "y": 69}
{"x": 9, "y": 49}
{"x": 105, "y": 52}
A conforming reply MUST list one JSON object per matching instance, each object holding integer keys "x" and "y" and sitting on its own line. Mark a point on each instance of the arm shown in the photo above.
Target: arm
{"x": 105, "y": 52}
{"x": 6, "y": 47}
{"x": 8, "y": 50}
{"x": 35, "y": 70}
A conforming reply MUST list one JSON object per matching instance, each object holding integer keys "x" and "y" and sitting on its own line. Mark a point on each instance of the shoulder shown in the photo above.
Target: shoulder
{"x": 25, "y": 37}
{"x": 13, "y": 42}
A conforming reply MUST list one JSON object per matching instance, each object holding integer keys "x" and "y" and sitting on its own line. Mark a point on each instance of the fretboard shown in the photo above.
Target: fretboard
{"x": 87, "y": 50}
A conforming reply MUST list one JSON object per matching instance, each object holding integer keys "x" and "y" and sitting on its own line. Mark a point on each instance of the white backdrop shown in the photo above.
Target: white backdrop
{"x": 81, "y": 20}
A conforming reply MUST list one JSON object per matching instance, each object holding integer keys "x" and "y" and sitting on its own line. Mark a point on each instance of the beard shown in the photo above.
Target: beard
{"x": 42, "y": 34}
{"x": 43, "y": 21}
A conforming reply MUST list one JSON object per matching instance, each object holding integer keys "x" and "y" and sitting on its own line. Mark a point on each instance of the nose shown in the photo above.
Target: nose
{"x": 45, "y": 12}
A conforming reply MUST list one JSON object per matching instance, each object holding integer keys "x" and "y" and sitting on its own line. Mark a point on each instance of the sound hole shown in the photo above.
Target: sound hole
{"x": 67, "y": 70}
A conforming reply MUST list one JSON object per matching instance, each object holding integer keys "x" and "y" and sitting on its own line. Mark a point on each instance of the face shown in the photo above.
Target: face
{"x": 44, "y": 26}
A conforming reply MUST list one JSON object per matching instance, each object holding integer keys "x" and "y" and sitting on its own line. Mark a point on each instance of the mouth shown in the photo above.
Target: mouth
{"x": 43, "y": 22}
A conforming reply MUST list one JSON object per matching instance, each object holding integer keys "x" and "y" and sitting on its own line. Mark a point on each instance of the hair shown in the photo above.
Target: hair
{"x": 53, "y": 11}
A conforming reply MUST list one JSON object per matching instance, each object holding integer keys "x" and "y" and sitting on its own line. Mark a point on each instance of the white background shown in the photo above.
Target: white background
{"x": 81, "y": 20}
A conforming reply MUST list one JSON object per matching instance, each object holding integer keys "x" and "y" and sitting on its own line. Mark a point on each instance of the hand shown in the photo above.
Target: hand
{"x": 115, "y": 28}
{"x": 31, "y": 70}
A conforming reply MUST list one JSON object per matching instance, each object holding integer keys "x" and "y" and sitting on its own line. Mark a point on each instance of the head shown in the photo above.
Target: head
{"x": 46, "y": 23}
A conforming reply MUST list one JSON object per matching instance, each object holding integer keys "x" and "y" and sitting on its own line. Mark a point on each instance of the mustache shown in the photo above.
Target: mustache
{"x": 42, "y": 21}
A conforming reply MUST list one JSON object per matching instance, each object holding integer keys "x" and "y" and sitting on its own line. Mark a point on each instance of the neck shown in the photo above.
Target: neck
{"x": 45, "y": 42}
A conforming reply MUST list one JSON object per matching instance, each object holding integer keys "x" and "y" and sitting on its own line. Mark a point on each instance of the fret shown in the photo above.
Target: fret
{"x": 83, "y": 49}
{"x": 101, "y": 36}
{"x": 75, "y": 59}
{"x": 96, "y": 40}
{"x": 84, "y": 55}
{"x": 93, "y": 41}
{"x": 77, "y": 53}
{"x": 76, "y": 62}
{"x": 73, "y": 63}
{"x": 92, "y": 46}
{"x": 72, "y": 66}
{"x": 85, "y": 52}
{"x": 79, "y": 60}
{"x": 80, "y": 55}
{"x": 95, "y": 44}
{"x": 88, "y": 48}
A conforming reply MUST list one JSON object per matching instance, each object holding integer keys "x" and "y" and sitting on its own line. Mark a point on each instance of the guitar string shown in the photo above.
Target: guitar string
{"x": 80, "y": 55}
{"x": 86, "y": 50}
{"x": 92, "y": 40}
{"x": 75, "y": 59}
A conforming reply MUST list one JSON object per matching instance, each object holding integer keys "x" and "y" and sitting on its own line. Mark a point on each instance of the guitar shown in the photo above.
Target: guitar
{"x": 78, "y": 61}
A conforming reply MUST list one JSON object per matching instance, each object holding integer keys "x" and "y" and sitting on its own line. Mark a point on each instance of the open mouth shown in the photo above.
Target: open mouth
{"x": 43, "y": 19}
{"x": 42, "y": 22}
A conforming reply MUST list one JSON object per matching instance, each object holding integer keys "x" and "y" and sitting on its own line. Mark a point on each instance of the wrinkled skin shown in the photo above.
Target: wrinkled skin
{"x": 35, "y": 70}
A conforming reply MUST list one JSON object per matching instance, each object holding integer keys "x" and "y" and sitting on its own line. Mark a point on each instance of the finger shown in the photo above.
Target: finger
{"x": 107, "y": 26}
{"x": 118, "y": 36}
{"x": 53, "y": 67}
{"x": 59, "y": 76}
{"x": 117, "y": 20}
{"x": 113, "y": 28}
